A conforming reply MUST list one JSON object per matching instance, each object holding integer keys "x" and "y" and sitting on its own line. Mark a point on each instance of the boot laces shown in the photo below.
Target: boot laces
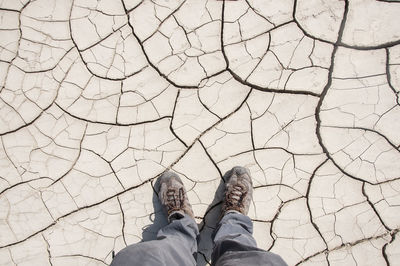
{"x": 234, "y": 197}
{"x": 175, "y": 199}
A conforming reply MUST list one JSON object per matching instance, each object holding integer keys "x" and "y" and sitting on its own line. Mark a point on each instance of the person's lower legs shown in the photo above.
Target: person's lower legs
{"x": 235, "y": 225}
{"x": 233, "y": 232}
{"x": 176, "y": 244}
{"x": 233, "y": 240}
{"x": 183, "y": 233}
{"x": 235, "y": 245}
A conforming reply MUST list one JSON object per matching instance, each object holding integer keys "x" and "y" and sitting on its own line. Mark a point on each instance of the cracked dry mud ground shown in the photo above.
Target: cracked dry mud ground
{"x": 98, "y": 98}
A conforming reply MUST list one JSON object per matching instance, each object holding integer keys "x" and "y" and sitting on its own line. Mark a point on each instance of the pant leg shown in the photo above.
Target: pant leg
{"x": 176, "y": 244}
{"x": 234, "y": 244}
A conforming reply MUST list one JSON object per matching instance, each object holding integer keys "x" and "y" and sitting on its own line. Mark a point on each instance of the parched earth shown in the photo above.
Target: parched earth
{"x": 99, "y": 97}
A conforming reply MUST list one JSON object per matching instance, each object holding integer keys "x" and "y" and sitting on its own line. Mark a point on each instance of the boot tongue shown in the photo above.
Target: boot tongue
{"x": 176, "y": 215}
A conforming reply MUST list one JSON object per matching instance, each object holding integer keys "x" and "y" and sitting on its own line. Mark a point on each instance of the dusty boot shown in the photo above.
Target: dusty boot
{"x": 173, "y": 197}
{"x": 238, "y": 191}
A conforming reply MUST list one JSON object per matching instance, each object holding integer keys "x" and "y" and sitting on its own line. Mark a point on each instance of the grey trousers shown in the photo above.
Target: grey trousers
{"x": 176, "y": 244}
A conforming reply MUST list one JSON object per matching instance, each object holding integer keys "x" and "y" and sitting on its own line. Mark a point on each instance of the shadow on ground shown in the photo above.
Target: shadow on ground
{"x": 158, "y": 218}
{"x": 207, "y": 226}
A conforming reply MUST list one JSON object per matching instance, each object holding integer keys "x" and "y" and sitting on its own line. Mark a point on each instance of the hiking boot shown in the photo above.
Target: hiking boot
{"x": 238, "y": 191}
{"x": 173, "y": 197}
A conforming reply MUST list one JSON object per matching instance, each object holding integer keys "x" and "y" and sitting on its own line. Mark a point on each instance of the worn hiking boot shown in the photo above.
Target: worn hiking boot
{"x": 173, "y": 197}
{"x": 238, "y": 190}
